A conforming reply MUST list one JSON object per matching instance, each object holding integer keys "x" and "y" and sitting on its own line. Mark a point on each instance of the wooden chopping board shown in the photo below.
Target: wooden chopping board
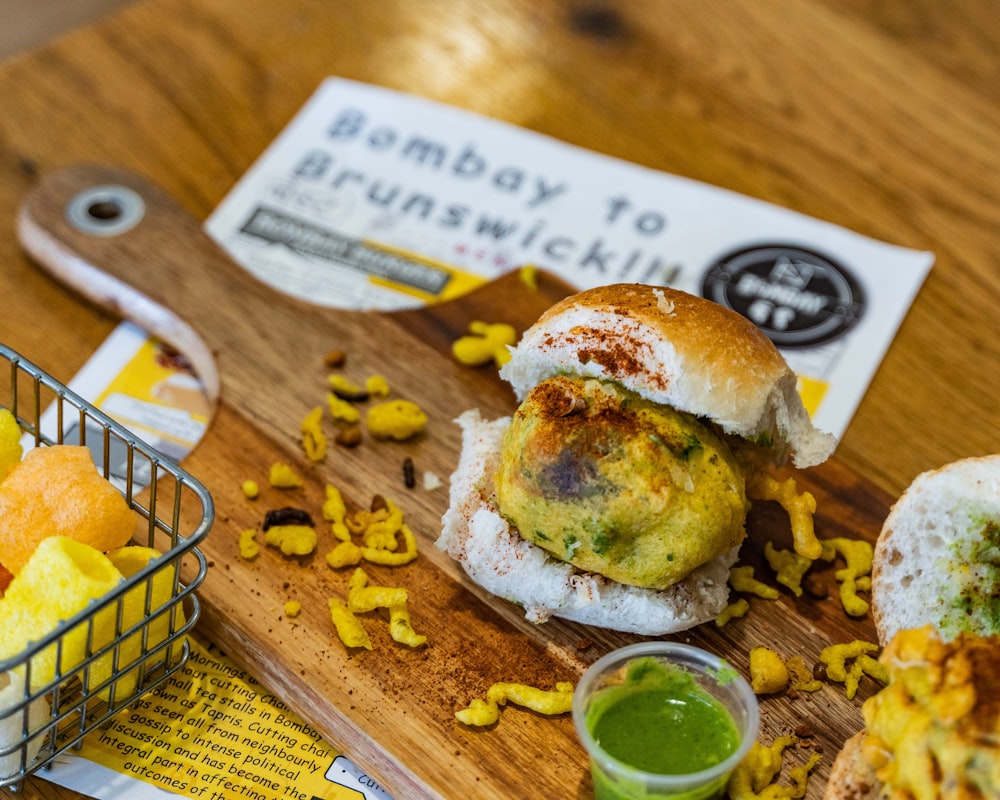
{"x": 391, "y": 709}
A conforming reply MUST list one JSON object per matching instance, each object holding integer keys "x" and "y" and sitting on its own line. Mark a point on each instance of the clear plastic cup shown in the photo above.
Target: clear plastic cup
{"x": 614, "y": 779}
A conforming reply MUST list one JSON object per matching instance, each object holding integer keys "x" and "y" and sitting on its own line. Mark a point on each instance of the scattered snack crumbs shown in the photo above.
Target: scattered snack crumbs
{"x": 250, "y": 489}
{"x": 734, "y": 610}
{"x": 345, "y": 389}
{"x": 856, "y": 574}
{"x": 836, "y": 656}
{"x": 800, "y": 509}
{"x": 768, "y": 673}
{"x": 282, "y": 476}
{"x": 292, "y": 608}
{"x": 754, "y": 777}
{"x": 377, "y": 386}
{"x": 362, "y": 598}
{"x": 313, "y": 438}
{"x": 396, "y": 419}
{"x": 349, "y": 628}
{"x": 486, "y": 712}
{"x": 486, "y": 342}
{"x": 801, "y": 676}
{"x": 292, "y": 540}
{"x": 789, "y": 567}
{"x": 334, "y": 359}
{"x": 742, "y": 580}
{"x": 342, "y": 410}
{"x": 249, "y": 549}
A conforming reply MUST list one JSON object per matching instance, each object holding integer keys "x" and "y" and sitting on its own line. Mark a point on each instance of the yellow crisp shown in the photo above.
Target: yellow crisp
{"x": 344, "y": 387}
{"x": 734, "y": 610}
{"x": 57, "y": 491}
{"x": 292, "y": 540}
{"x": 485, "y": 342}
{"x": 789, "y": 567}
{"x": 249, "y": 548}
{"x": 742, "y": 580}
{"x": 528, "y": 275}
{"x": 858, "y": 652}
{"x": 250, "y": 489}
{"x": 344, "y": 554}
{"x": 753, "y": 778}
{"x": 10, "y": 442}
{"x": 395, "y": 419}
{"x": 61, "y": 578}
{"x": 801, "y": 676}
{"x": 349, "y": 628}
{"x": 394, "y": 558}
{"x": 282, "y": 476}
{"x": 292, "y": 608}
{"x": 400, "y": 627}
{"x": 335, "y": 512}
{"x": 486, "y": 712}
{"x": 313, "y": 438}
{"x": 130, "y": 561}
{"x": 856, "y": 574}
{"x": 377, "y": 386}
{"x": 768, "y": 673}
{"x": 362, "y": 598}
{"x": 800, "y": 509}
{"x": 341, "y": 410}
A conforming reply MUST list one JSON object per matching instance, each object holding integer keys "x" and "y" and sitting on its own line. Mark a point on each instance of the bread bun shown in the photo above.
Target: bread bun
{"x": 936, "y": 557}
{"x": 499, "y": 560}
{"x": 675, "y": 349}
{"x": 851, "y": 776}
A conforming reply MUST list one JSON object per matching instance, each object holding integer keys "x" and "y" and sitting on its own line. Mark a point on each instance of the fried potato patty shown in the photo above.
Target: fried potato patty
{"x": 615, "y": 484}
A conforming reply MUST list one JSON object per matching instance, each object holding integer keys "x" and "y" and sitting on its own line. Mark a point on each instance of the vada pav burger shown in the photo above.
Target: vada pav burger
{"x": 617, "y": 493}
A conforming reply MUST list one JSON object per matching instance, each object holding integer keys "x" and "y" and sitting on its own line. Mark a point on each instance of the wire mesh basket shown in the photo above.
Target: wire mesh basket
{"x": 131, "y": 639}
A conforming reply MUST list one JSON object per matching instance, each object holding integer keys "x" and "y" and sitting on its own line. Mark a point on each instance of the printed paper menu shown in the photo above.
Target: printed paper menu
{"x": 373, "y": 199}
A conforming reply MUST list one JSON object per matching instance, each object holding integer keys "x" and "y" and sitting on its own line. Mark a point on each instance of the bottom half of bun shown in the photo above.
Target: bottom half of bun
{"x": 495, "y": 557}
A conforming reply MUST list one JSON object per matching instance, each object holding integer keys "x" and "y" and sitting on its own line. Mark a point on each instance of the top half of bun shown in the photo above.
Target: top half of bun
{"x": 675, "y": 349}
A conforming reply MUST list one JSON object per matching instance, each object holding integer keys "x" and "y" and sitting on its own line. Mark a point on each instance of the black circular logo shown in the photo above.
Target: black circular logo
{"x": 797, "y": 297}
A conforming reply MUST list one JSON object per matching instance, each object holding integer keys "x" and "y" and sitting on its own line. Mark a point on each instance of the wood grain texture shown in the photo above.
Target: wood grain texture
{"x": 392, "y": 708}
{"x": 881, "y": 117}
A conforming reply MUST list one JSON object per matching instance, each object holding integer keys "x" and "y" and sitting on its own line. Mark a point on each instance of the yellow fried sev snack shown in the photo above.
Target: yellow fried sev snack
{"x": 362, "y": 598}
{"x": 249, "y": 549}
{"x": 292, "y": 608}
{"x": 738, "y": 608}
{"x": 344, "y": 554}
{"x": 800, "y": 509}
{"x": 313, "y": 438}
{"x": 61, "y": 578}
{"x": 836, "y": 656}
{"x": 335, "y": 512}
{"x": 789, "y": 567}
{"x": 281, "y": 476}
{"x": 528, "y": 275}
{"x": 801, "y": 677}
{"x": 768, "y": 673}
{"x": 344, "y": 388}
{"x": 742, "y": 580}
{"x": 754, "y": 777}
{"x": 395, "y": 419}
{"x": 486, "y": 712}
{"x": 250, "y": 489}
{"x": 856, "y": 574}
{"x": 342, "y": 410}
{"x": 349, "y": 628}
{"x": 485, "y": 342}
{"x": 292, "y": 540}
{"x": 10, "y": 442}
{"x": 377, "y": 386}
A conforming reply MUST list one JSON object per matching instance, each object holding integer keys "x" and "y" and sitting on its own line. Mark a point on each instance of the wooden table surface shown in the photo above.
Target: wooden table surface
{"x": 880, "y": 117}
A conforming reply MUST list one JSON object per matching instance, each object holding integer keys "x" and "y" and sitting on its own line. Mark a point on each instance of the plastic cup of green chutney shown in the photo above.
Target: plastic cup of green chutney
{"x": 663, "y": 720}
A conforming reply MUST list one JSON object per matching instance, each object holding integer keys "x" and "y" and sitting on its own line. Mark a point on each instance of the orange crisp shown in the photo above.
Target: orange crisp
{"x": 57, "y": 491}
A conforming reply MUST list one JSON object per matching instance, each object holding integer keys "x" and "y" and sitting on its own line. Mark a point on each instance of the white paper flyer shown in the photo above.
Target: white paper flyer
{"x": 378, "y": 200}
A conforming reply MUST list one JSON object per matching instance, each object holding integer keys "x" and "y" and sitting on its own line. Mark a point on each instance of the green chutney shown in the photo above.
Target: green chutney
{"x": 661, "y": 721}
